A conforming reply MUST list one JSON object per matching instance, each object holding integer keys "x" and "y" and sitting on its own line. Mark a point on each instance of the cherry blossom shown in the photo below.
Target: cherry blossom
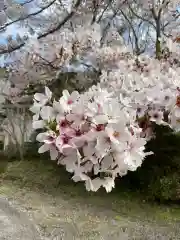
{"x": 101, "y": 133}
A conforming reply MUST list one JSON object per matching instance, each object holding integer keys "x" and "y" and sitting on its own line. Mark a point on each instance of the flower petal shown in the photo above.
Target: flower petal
{"x": 43, "y": 148}
{"x": 65, "y": 93}
{"x": 53, "y": 153}
{"x": 47, "y": 113}
{"x": 40, "y": 97}
{"x": 36, "y": 107}
{"x": 38, "y": 124}
{"x": 100, "y": 119}
{"x": 41, "y": 137}
{"x": 48, "y": 93}
{"x": 36, "y": 117}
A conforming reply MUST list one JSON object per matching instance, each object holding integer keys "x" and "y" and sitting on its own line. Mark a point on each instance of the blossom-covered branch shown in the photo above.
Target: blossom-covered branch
{"x": 101, "y": 133}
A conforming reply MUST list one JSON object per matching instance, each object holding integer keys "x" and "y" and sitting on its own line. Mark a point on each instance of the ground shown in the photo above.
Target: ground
{"x": 57, "y": 208}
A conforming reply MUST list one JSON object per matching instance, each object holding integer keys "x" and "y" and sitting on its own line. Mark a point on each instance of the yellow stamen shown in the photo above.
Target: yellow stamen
{"x": 116, "y": 134}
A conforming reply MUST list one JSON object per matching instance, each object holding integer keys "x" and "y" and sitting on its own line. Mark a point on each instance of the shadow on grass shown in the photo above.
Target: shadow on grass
{"x": 46, "y": 177}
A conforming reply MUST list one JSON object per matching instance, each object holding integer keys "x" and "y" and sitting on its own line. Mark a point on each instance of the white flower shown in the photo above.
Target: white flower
{"x": 103, "y": 145}
{"x": 43, "y": 98}
{"x": 41, "y": 137}
{"x": 36, "y": 110}
{"x": 108, "y": 184}
{"x": 105, "y": 129}
{"x": 67, "y": 100}
{"x": 48, "y": 147}
{"x": 38, "y": 124}
{"x": 39, "y": 101}
{"x": 119, "y": 160}
{"x": 117, "y": 132}
{"x": 47, "y": 113}
{"x": 48, "y": 138}
{"x": 112, "y": 111}
{"x": 134, "y": 154}
{"x": 57, "y": 107}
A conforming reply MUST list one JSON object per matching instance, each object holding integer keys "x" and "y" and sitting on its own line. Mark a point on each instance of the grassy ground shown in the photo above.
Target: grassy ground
{"x": 59, "y": 206}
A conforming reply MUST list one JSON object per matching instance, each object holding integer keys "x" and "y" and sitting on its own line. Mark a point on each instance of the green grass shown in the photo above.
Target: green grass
{"x": 46, "y": 177}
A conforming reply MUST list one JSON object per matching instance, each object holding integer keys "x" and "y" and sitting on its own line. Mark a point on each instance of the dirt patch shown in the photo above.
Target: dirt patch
{"x": 15, "y": 225}
{"x": 66, "y": 211}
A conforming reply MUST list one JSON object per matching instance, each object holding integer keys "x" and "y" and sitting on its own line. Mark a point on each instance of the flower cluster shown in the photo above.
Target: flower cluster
{"x": 101, "y": 134}
{"x": 92, "y": 134}
{"x": 151, "y": 87}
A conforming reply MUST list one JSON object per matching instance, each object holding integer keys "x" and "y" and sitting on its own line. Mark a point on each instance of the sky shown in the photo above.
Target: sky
{"x": 13, "y": 29}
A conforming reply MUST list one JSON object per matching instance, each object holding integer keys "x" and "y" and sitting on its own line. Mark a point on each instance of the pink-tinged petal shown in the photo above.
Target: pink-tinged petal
{"x": 44, "y": 148}
{"x": 38, "y": 124}
{"x": 67, "y": 149}
{"x": 78, "y": 141}
{"x": 59, "y": 142}
{"x": 67, "y": 131}
{"x": 53, "y": 153}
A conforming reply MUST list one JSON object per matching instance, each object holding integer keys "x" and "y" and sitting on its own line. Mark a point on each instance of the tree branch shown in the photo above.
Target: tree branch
{"x": 60, "y": 25}
{"x": 21, "y": 4}
{"x": 106, "y": 7}
{"x": 12, "y": 49}
{"x": 27, "y": 16}
{"x": 133, "y": 31}
{"x": 141, "y": 17}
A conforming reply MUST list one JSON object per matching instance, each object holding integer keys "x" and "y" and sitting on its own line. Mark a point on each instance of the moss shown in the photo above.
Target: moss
{"x": 166, "y": 187}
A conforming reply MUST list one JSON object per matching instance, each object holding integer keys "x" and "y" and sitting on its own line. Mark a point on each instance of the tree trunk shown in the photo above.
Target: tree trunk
{"x": 158, "y": 36}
